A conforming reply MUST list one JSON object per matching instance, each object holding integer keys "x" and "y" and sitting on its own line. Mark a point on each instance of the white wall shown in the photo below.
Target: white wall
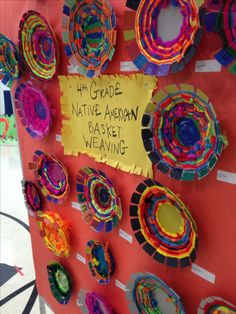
{"x": 2, "y": 104}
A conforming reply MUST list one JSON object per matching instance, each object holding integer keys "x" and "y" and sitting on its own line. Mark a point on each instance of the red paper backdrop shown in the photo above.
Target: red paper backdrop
{"x": 212, "y": 203}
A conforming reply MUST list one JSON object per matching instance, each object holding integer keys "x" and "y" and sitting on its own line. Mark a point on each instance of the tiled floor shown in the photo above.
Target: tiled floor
{"x": 17, "y": 269}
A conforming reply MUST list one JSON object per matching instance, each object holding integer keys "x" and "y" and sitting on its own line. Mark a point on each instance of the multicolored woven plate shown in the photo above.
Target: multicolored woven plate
{"x": 33, "y": 201}
{"x": 223, "y": 21}
{"x": 89, "y": 35}
{"x": 52, "y": 177}
{"x": 163, "y": 225}
{"x": 93, "y": 303}
{"x": 38, "y": 45}
{"x": 100, "y": 261}
{"x": 181, "y": 133}
{"x": 60, "y": 282}
{"x": 146, "y": 294}
{"x": 100, "y": 204}
{"x": 10, "y": 61}
{"x": 149, "y": 51}
{"x": 55, "y": 232}
{"x": 216, "y": 305}
{"x": 33, "y": 110}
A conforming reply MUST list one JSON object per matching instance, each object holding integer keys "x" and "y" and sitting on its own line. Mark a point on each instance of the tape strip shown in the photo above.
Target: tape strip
{"x": 202, "y": 66}
{"x": 72, "y": 69}
{"x": 225, "y": 176}
{"x": 124, "y": 235}
{"x": 120, "y": 285}
{"x": 76, "y": 205}
{"x": 58, "y": 137}
{"x": 203, "y": 273}
{"x": 80, "y": 258}
{"x": 128, "y": 66}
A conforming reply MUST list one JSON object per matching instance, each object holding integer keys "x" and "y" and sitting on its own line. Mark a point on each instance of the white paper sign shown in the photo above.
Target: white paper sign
{"x": 128, "y": 66}
{"x": 207, "y": 66}
{"x": 225, "y": 176}
{"x": 203, "y": 273}
{"x": 124, "y": 235}
{"x": 75, "y": 205}
{"x": 81, "y": 258}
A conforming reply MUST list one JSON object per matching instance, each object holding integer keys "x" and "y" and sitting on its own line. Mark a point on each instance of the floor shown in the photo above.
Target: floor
{"x": 18, "y": 293}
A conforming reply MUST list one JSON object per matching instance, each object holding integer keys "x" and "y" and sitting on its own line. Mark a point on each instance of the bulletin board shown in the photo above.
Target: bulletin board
{"x": 210, "y": 201}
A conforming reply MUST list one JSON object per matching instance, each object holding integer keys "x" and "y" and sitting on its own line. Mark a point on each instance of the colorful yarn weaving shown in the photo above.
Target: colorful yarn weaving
{"x": 216, "y": 305}
{"x": 163, "y": 225}
{"x": 181, "y": 133}
{"x": 60, "y": 282}
{"x": 56, "y": 233}
{"x": 93, "y": 303}
{"x": 146, "y": 294}
{"x": 89, "y": 35}
{"x": 100, "y": 261}
{"x": 101, "y": 206}
{"x": 38, "y": 45}
{"x": 33, "y": 110}
{"x": 33, "y": 201}
{"x": 52, "y": 177}
{"x": 10, "y": 61}
{"x": 224, "y": 22}
{"x": 148, "y": 50}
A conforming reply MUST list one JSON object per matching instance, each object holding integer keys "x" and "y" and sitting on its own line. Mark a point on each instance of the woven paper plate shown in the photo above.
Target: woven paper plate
{"x": 10, "y": 61}
{"x": 181, "y": 133}
{"x": 33, "y": 110}
{"x": 163, "y": 225}
{"x": 216, "y": 305}
{"x": 92, "y": 302}
{"x": 100, "y": 204}
{"x": 52, "y": 177}
{"x": 89, "y": 35}
{"x": 33, "y": 200}
{"x": 60, "y": 282}
{"x": 38, "y": 45}
{"x": 100, "y": 261}
{"x": 223, "y": 21}
{"x": 146, "y": 294}
{"x": 152, "y": 54}
{"x": 55, "y": 232}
